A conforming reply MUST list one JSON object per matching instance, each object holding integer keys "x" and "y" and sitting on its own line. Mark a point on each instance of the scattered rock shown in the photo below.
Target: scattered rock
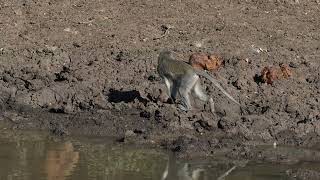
{"x": 198, "y": 127}
{"x": 129, "y": 133}
{"x": 145, "y": 114}
{"x": 35, "y": 84}
{"x": 259, "y": 123}
{"x": 163, "y": 97}
{"x": 226, "y": 123}
{"x": 209, "y": 121}
{"x": 44, "y": 97}
{"x": 120, "y": 56}
{"x": 166, "y": 114}
{"x": 292, "y": 105}
{"x": 152, "y": 78}
{"x": 100, "y": 101}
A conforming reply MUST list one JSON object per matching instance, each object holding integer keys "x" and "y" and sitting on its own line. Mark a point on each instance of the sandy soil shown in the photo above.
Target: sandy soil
{"x": 89, "y": 68}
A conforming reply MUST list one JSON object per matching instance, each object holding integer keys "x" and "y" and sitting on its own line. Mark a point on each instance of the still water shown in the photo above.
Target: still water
{"x": 32, "y": 156}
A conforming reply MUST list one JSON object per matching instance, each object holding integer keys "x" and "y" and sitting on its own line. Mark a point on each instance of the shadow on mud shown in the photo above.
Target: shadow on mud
{"x": 117, "y": 96}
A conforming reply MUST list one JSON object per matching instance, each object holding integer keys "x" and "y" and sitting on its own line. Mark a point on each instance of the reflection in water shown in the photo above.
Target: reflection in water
{"x": 60, "y": 162}
{"x": 173, "y": 171}
{"x": 35, "y": 156}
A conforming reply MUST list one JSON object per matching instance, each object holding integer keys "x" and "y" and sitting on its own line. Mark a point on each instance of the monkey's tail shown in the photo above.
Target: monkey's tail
{"x": 215, "y": 82}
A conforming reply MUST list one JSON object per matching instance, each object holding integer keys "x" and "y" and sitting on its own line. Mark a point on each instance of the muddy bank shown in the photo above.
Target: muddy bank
{"x": 89, "y": 68}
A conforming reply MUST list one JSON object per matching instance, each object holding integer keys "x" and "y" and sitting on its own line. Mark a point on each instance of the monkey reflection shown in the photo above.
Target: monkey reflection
{"x": 175, "y": 172}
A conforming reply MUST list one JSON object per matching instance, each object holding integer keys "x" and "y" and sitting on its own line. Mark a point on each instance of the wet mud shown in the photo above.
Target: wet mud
{"x": 77, "y": 67}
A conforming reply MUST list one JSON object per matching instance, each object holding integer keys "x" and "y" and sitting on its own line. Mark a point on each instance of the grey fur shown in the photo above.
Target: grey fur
{"x": 182, "y": 79}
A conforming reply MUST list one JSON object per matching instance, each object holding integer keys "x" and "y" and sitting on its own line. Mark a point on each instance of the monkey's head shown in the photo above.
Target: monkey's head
{"x": 166, "y": 54}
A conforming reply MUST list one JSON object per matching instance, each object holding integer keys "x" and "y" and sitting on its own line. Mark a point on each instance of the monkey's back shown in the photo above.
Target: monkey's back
{"x": 169, "y": 67}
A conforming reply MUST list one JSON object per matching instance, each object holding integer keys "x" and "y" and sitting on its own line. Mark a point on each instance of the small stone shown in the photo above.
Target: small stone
{"x": 7, "y": 78}
{"x": 129, "y": 133}
{"x": 152, "y": 78}
{"x": 18, "y": 12}
{"x": 145, "y": 114}
{"x": 198, "y": 127}
{"x": 163, "y": 97}
{"x": 293, "y": 65}
{"x": 292, "y": 106}
{"x": 51, "y": 48}
{"x": 120, "y": 56}
{"x": 198, "y": 44}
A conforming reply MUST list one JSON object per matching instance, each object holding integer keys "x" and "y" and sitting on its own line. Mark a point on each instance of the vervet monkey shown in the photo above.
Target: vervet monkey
{"x": 182, "y": 79}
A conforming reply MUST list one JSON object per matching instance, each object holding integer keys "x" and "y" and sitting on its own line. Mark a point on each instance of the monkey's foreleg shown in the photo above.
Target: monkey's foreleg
{"x": 169, "y": 87}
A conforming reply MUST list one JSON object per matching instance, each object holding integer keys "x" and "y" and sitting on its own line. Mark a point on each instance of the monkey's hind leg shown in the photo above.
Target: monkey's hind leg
{"x": 186, "y": 85}
{"x": 198, "y": 91}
